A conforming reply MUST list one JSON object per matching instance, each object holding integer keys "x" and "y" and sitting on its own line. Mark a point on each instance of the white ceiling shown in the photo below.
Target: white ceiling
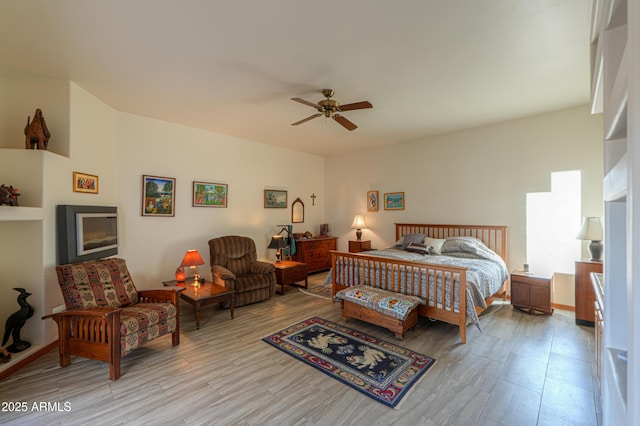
{"x": 427, "y": 66}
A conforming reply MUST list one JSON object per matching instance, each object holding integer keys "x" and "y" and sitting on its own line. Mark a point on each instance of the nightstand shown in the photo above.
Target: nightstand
{"x": 289, "y": 272}
{"x": 360, "y": 245}
{"x": 531, "y": 292}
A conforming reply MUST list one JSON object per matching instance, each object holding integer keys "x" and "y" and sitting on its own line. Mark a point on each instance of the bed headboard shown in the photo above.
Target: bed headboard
{"x": 494, "y": 237}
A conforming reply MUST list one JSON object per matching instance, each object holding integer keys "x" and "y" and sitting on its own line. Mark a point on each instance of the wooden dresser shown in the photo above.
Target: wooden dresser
{"x": 585, "y": 297}
{"x": 597, "y": 280}
{"x": 531, "y": 292}
{"x": 315, "y": 252}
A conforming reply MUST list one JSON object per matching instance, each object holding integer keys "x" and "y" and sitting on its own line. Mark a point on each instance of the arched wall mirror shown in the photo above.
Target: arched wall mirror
{"x": 297, "y": 211}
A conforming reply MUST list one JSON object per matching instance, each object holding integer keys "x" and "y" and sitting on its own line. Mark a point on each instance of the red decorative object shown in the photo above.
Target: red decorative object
{"x": 181, "y": 275}
{"x": 9, "y": 195}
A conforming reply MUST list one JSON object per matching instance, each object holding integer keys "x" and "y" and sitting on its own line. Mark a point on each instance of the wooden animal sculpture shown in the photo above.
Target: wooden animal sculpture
{"x": 36, "y": 132}
{"x": 15, "y": 322}
{"x": 9, "y": 195}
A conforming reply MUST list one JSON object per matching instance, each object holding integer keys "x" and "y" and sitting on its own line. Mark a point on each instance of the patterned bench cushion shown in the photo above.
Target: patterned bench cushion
{"x": 143, "y": 322}
{"x": 393, "y": 304}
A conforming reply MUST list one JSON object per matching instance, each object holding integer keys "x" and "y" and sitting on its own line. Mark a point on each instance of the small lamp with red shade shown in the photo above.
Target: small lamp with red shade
{"x": 192, "y": 259}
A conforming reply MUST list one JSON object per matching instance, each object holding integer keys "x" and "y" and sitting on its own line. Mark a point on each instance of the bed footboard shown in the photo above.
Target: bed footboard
{"x": 435, "y": 284}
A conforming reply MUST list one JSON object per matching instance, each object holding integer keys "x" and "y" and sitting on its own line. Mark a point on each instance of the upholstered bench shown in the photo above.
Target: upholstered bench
{"x": 394, "y": 311}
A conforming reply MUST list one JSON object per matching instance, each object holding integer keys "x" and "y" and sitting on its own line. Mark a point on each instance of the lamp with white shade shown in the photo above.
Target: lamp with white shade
{"x": 358, "y": 225}
{"x": 591, "y": 230}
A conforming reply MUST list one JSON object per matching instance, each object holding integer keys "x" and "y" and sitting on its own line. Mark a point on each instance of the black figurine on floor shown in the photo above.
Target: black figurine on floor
{"x": 15, "y": 322}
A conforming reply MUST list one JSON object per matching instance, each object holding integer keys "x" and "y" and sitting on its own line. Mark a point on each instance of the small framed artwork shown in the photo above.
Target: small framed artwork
{"x": 207, "y": 194}
{"x": 275, "y": 199}
{"x": 158, "y": 196}
{"x": 372, "y": 201}
{"x": 394, "y": 201}
{"x": 324, "y": 230}
{"x": 83, "y": 182}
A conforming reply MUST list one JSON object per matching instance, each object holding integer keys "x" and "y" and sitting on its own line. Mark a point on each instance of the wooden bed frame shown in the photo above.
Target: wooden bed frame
{"x": 400, "y": 274}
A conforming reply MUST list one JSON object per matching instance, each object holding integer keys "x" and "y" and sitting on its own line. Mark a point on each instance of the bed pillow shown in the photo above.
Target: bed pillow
{"x": 419, "y": 248}
{"x": 410, "y": 238}
{"x": 413, "y": 238}
{"x": 435, "y": 243}
{"x": 463, "y": 245}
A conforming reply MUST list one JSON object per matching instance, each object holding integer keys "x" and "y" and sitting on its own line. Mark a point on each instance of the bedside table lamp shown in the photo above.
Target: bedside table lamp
{"x": 591, "y": 230}
{"x": 192, "y": 258}
{"x": 278, "y": 243}
{"x": 358, "y": 225}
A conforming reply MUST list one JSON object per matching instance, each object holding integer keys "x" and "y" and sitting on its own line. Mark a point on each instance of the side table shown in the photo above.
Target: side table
{"x": 531, "y": 292}
{"x": 359, "y": 245}
{"x": 289, "y": 272}
{"x": 204, "y": 295}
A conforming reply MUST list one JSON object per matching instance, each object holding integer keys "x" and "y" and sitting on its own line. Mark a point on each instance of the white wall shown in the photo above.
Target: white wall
{"x": 154, "y": 246}
{"x": 91, "y": 137}
{"x": 478, "y": 176}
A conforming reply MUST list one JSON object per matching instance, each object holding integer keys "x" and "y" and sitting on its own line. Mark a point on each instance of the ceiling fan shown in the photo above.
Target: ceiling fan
{"x": 331, "y": 109}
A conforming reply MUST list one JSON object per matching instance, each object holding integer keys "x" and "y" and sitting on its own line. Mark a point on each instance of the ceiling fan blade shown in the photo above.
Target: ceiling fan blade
{"x": 304, "y": 120}
{"x": 355, "y": 105}
{"x": 302, "y": 101}
{"x": 344, "y": 122}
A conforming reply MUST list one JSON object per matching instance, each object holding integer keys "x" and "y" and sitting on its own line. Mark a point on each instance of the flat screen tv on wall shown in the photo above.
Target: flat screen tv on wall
{"x": 86, "y": 233}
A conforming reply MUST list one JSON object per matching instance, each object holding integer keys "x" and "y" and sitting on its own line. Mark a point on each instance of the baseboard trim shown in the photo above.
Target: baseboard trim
{"x": 28, "y": 360}
{"x": 557, "y": 306}
{"x": 564, "y": 307}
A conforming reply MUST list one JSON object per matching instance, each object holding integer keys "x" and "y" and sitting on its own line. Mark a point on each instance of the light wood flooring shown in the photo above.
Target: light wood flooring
{"x": 520, "y": 370}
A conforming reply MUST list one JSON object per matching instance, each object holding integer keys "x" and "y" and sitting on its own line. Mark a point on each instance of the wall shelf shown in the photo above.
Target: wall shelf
{"x": 617, "y": 378}
{"x": 615, "y": 182}
{"x": 615, "y": 112}
{"x": 596, "y": 77}
{"x": 18, "y": 213}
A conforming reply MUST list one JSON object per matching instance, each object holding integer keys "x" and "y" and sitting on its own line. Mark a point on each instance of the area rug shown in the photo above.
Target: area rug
{"x": 379, "y": 369}
{"x": 323, "y": 291}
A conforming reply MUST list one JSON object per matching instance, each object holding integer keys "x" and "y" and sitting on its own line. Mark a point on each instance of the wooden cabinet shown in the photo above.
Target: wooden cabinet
{"x": 596, "y": 281}
{"x": 531, "y": 292}
{"x": 315, "y": 252}
{"x": 585, "y": 297}
{"x": 289, "y": 272}
{"x": 358, "y": 246}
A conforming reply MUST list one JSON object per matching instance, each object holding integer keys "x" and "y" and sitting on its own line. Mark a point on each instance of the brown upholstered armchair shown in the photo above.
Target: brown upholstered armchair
{"x": 106, "y": 317}
{"x": 234, "y": 264}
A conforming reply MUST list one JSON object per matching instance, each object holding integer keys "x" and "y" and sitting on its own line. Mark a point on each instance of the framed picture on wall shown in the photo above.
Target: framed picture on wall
{"x": 275, "y": 199}
{"x": 394, "y": 201}
{"x": 83, "y": 182}
{"x": 372, "y": 201}
{"x": 207, "y": 194}
{"x": 158, "y": 196}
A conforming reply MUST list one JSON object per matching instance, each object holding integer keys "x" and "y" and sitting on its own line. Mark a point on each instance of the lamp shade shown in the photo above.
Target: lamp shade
{"x": 192, "y": 258}
{"x": 591, "y": 229}
{"x": 358, "y": 222}
{"x": 277, "y": 242}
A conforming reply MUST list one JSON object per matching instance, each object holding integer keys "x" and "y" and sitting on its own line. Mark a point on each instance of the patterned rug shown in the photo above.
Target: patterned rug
{"x": 378, "y": 369}
{"x": 323, "y": 291}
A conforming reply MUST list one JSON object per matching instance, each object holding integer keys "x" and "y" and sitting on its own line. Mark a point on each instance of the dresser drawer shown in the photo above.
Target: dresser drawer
{"x": 315, "y": 252}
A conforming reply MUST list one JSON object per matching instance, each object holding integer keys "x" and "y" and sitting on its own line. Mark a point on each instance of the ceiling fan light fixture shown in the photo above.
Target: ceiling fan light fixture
{"x": 329, "y": 108}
